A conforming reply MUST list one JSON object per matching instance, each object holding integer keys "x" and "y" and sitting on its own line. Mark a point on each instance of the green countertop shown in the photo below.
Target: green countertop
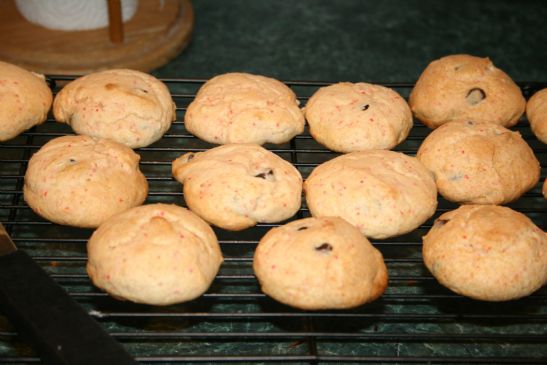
{"x": 353, "y": 40}
{"x": 380, "y": 41}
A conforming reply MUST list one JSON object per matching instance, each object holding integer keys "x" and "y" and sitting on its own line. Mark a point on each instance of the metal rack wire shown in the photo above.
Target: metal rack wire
{"x": 416, "y": 321}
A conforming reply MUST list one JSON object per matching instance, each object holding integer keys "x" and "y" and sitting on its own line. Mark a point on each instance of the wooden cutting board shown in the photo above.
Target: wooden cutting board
{"x": 158, "y": 32}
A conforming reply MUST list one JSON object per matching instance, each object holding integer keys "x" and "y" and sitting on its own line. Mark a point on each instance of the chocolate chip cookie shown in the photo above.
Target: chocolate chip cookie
{"x": 319, "y": 263}
{"x": 464, "y": 87}
{"x": 237, "y": 185}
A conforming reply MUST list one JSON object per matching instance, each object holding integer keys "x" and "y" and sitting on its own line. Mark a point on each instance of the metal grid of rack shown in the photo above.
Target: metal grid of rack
{"x": 415, "y": 321}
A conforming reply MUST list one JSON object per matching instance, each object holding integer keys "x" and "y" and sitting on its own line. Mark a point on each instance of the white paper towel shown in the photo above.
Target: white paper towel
{"x": 72, "y": 14}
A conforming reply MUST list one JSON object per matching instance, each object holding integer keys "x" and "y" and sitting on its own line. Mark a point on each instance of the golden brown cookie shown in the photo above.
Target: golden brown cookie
{"x": 25, "y": 100}
{"x": 82, "y": 181}
{"x": 383, "y": 193}
{"x": 464, "y": 87}
{"x": 156, "y": 254}
{"x": 347, "y": 117}
{"x": 479, "y": 163}
{"x": 126, "y": 106}
{"x": 536, "y": 111}
{"x": 319, "y": 263}
{"x": 487, "y": 252}
{"x": 244, "y": 108}
{"x": 237, "y": 185}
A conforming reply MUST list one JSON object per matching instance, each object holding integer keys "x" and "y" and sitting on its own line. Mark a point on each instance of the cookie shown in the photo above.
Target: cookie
{"x": 487, "y": 252}
{"x": 383, "y": 193}
{"x": 237, "y": 185}
{"x": 536, "y": 111}
{"x": 464, "y": 87}
{"x": 347, "y": 117}
{"x": 479, "y": 163}
{"x": 82, "y": 181}
{"x": 126, "y": 106}
{"x": 319, "y": 263}
{"x": 544, "y": 189}
{"x": 26, "y": 100}
{"x": 244, "y": 108}
{"x": 157, "y": 254}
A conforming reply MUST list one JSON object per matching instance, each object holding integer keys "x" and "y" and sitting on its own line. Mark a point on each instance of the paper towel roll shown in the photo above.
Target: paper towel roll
{"x": 72, "y": 14}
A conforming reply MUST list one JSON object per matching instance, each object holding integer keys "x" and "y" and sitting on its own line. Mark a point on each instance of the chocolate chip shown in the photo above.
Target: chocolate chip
{"x": 268, "y": 175}
{"x": 302, "y": 228}
{"x": 324, "y": 247}
{"x": 189, "y": 156}
{"x": 470, "y": 122}
{"x": 365, "y": 107}
{"x": 144, "y": 91}
{"x": 475, "y": 96}
{"x": 441, "y": 222}
{"x": 72, "y": 160}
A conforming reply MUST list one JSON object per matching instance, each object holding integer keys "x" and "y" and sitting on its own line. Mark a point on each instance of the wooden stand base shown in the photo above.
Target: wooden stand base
{"x": 158, "y": 32}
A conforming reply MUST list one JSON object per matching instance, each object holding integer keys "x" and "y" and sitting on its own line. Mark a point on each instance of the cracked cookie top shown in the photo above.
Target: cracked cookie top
{"x": 244, "y": 108}
{"x": 82, "y": 181}
{"x": 237, "y": 185}
{"x": 464, "y": 87}
{"x": 126, "y": 106}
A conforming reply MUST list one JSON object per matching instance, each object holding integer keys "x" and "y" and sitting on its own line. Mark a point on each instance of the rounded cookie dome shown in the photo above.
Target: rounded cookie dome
{"x": 536, "y": 111}
{"x": 464, "y": 87}
{"x": 25, "y": 100}
{"x": 126, "y": 106}
{"x": 157, "y": 254}
{"x": 479, "y": 162}
{"x": 82, "y": 181}
{"x": 487, "y": 252}
{"x": 347, "y": 117}
{"x": 244, "y": 108}
{"x": 319, "y": 263}
{"x": 383, "y": 193}
{"x": 237, "y": 185}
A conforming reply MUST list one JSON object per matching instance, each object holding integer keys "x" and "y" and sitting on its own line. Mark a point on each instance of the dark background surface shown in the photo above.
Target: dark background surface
{"x": 353, "y": 40}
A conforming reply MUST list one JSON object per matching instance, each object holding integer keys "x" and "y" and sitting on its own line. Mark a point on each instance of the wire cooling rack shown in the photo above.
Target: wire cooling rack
{"x": 415, "y": 321}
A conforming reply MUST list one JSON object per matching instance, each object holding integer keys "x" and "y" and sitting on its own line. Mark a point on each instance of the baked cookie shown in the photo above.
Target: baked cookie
{"x": 479, "y": 163}
{"x": 237, "y": 185}
{"x": 536, "y": 111}
{"x": 126, "y": 106}
{"x": 383, "y": 193}
{"x": 319, "y": 263}
{"x": 487, "y": 252}
{"x": 25, "y": 100}
{"x": 463, "y": 87}
{"x": 244, "y": 108}
{"x": 157, "y": 254}
{"x": 82, "y": 181}
{"x": 348, "y": 117}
